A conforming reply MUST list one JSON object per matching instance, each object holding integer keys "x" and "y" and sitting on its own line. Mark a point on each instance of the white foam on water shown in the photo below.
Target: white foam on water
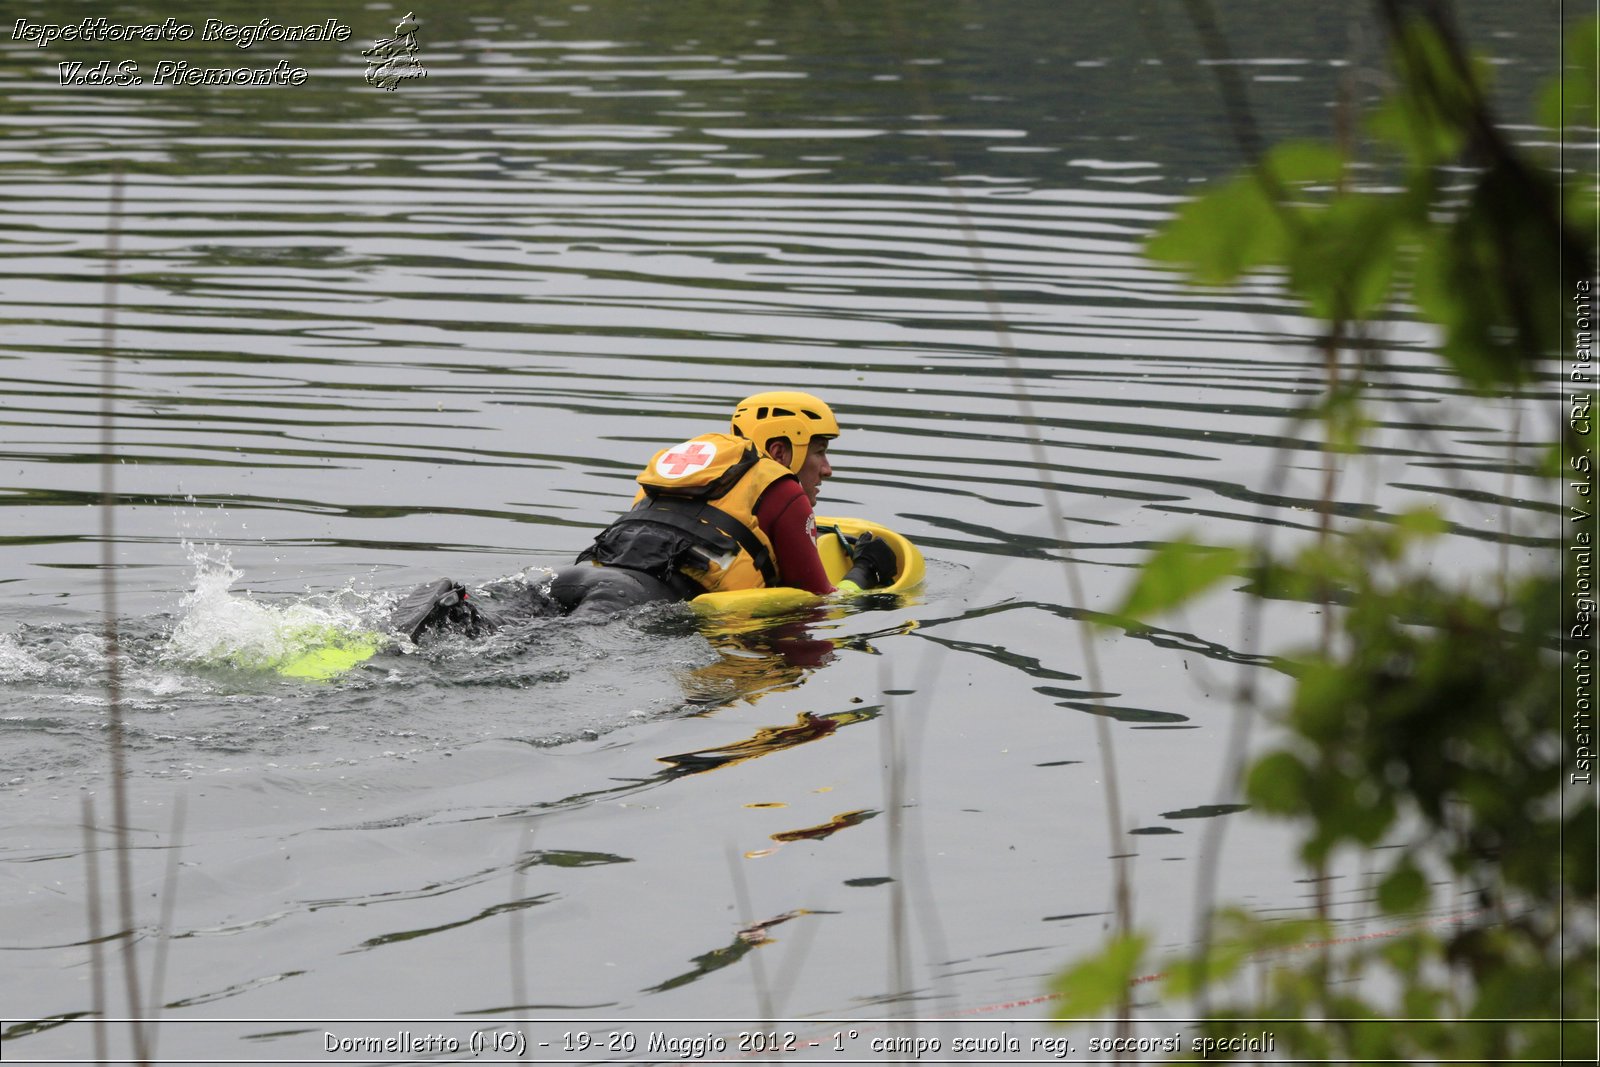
{"x": 17, "y": 664}
{"x": 219, "y": 627}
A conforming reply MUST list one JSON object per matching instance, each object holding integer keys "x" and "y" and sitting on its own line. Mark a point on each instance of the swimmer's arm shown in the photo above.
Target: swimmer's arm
{"x": 785, "y": 517}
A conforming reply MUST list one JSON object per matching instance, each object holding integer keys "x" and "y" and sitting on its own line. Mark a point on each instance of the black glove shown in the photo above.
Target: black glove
{"x": 873, "y": 563}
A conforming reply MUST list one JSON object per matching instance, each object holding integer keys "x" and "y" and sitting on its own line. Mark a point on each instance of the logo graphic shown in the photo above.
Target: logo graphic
{"x": 685, "y": 459}
{"x": 392, "y": 61}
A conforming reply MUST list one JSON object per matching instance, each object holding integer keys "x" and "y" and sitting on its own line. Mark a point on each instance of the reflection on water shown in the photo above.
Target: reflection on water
{"x": 841, "y": 821}
{"x": 748, "y": 938}
{"x": 767, "y": 740}
{"x": 366, "y": 338}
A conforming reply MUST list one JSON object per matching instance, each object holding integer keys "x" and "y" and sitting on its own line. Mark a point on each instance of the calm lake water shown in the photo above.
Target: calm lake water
{"x": 367, "y": 338}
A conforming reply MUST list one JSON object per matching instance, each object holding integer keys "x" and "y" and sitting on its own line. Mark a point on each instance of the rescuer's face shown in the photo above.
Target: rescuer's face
{"x": 815, "y": 469}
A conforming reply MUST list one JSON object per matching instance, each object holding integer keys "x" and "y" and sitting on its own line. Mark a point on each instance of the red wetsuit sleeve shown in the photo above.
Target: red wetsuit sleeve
{"x": 784, "y": 515}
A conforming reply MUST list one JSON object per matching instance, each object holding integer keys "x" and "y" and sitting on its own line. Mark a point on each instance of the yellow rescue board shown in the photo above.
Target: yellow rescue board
{"x": 831, "y": 537}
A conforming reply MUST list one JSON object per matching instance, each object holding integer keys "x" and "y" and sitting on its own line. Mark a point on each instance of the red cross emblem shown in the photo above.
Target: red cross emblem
{"x": 685, "y": 459}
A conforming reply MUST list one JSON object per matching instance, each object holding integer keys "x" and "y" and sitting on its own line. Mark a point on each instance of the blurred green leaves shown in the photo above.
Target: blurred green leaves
{"x": 1484, "y": 262}
{"x": 1175, "y": 574}
{"x": 1568, "y": 102}
{"x": 1101, "y": 982}
{"x": 1338, "y": 250}
{"x": 1232, "y": 229}
{"x": 1423, "y": 733}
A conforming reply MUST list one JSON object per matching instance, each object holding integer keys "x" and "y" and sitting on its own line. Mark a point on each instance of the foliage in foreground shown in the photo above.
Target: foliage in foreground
{"x": 1428, "y": 722}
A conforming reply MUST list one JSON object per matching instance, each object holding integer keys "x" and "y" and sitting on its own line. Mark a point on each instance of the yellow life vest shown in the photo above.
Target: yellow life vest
{"x": 694, "y": 518}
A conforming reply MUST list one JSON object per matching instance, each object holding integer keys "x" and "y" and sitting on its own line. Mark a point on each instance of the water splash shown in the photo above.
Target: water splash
{"x": 17, "y": 664}
{"x": 218, "y": 627}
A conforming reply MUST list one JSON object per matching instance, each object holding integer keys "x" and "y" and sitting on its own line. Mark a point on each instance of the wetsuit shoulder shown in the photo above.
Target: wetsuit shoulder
{"x": 784, "y": 514}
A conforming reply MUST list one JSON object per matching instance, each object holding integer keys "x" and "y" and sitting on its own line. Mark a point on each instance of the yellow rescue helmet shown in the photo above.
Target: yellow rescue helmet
{"x": 799, "y": 417}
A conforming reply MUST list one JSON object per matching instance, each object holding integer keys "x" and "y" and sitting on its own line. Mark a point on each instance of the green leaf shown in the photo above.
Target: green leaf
{"x": 1430, "y": 113}
{"x": 1322, "y": 700}
{"x": 1187, "y": 978}
{"x": 1305, "y": 162}
{"x": 1417, "y": 130}
{"x": 1496, "y": 275}
{"x": 1100, "y": 982}
{"x": 1233, "y": 228}
{"x": 1421, "y": 524}
{"x": 1403, "y": 890}
{"x": 1406, "y": 955}
{"x": 1434, "y": 74}
{"x": 1583, "y": 206}
{"x": 1278, "y": 783}
{"x": 1344, "y": 264}
{"x": 1551, "y": 460}
{"x": 1568, "y": 102}
{"x": 1177, "y": 573}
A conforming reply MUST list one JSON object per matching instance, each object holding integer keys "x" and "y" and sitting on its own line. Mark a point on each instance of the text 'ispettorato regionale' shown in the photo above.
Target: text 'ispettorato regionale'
{"x": 171, "y": 71}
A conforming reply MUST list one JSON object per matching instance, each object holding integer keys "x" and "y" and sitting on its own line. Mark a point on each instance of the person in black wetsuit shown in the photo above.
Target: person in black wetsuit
{"x": 719, "y": 511}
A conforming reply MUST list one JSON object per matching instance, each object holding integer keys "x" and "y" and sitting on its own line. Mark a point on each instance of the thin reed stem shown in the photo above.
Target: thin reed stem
{"x": 894, "y": 782}
{"x": 1122, "y": 897}
{"x": 1105, "y": 745}
{"x": 747, "y": 921}
{"x": 97, "y": 960}
{"x": 516, "y": 941}
{"x": 108, "y": 563}
{"x": 169, "y": 900}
